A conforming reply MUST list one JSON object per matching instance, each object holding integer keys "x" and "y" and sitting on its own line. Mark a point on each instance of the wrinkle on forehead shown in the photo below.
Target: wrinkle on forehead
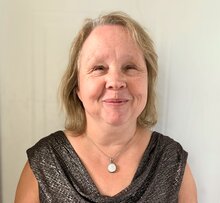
{"x": 108, "y": 40}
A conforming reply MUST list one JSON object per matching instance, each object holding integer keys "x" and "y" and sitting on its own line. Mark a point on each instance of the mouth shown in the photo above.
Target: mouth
{"x": 115, "y": 101}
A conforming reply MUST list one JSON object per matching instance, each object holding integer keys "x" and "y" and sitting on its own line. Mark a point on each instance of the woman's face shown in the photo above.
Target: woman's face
{"x": 112, "y": 77}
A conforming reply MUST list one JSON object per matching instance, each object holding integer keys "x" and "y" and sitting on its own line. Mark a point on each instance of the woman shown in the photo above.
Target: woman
{"x": 108, "y": 152}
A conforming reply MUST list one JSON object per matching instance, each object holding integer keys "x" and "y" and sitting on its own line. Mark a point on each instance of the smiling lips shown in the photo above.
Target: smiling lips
{"x": 115, "y": 101}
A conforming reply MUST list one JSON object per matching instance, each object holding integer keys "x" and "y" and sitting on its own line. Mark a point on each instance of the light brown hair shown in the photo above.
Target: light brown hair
{"x": 75, "y": 113}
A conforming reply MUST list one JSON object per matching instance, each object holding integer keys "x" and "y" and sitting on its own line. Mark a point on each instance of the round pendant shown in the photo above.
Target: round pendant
{"x": 112, "y": 167}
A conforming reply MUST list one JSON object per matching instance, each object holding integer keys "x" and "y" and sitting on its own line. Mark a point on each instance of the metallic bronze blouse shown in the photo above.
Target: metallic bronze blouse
{"x": 62, "y": 177}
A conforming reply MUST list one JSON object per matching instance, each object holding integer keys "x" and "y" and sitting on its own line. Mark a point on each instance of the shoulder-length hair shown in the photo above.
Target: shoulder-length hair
{"x": 75, "y": 113}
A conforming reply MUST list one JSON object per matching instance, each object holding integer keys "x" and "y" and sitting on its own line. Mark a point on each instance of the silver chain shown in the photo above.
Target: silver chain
{"x": 111, "y": 158}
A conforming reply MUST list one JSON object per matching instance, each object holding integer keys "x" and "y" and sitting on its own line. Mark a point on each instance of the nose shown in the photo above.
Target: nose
{"x": 115, "y": 80}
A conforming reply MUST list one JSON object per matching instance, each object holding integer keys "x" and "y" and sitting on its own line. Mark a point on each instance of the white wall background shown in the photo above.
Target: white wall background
{"x": 35, "y": 39}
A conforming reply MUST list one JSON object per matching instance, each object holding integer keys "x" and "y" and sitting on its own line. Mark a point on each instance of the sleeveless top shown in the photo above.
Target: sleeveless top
{"x": 62, "y": 177}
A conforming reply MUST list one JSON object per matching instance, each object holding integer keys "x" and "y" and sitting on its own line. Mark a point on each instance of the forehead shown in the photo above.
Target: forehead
{"x": 110, "y": 32}
{"x": 109, "y": 38}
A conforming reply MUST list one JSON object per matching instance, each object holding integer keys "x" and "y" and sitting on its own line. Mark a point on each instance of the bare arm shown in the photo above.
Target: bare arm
{"x": 187, "y": 193}
{"x": 27, "y": 189}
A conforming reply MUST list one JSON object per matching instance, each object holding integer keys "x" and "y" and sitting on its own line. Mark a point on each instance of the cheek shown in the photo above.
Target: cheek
{"x": 78, "y": 94}
{"x": 81, "y": 89}
{"x": 90, "y": 89}
{"x": 143, "y": 96}
{"x": 143, "y": 93}
{"x": 141, "y": 87}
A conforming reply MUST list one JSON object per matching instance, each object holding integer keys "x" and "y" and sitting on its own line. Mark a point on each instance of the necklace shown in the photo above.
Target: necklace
{"x": 112, "y": 167}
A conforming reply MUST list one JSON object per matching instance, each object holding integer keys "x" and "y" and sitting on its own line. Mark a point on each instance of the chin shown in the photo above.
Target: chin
{"x": 116, "y": 121}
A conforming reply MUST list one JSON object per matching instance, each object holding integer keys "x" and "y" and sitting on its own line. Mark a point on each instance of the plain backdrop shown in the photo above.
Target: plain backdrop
{"x": 35, "y": 38}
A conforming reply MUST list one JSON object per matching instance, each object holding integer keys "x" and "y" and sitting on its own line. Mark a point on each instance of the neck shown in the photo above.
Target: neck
{"x": 111, "y": 142}
{"x": 110, "y": 135}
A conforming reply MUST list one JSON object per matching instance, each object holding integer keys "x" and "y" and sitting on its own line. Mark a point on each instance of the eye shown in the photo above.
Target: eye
{"x": 99, "y": 68}
{"x": 133, "y": 70}
{"x": 130, "y": 67}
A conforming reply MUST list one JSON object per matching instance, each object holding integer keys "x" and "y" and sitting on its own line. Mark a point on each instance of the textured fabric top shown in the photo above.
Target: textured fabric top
{"x": 63, "y": 178}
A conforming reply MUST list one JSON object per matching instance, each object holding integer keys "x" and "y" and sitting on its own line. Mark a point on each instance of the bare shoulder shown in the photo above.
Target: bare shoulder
{"x": 27, "y": 189}
{"x": 188, "y": 193}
